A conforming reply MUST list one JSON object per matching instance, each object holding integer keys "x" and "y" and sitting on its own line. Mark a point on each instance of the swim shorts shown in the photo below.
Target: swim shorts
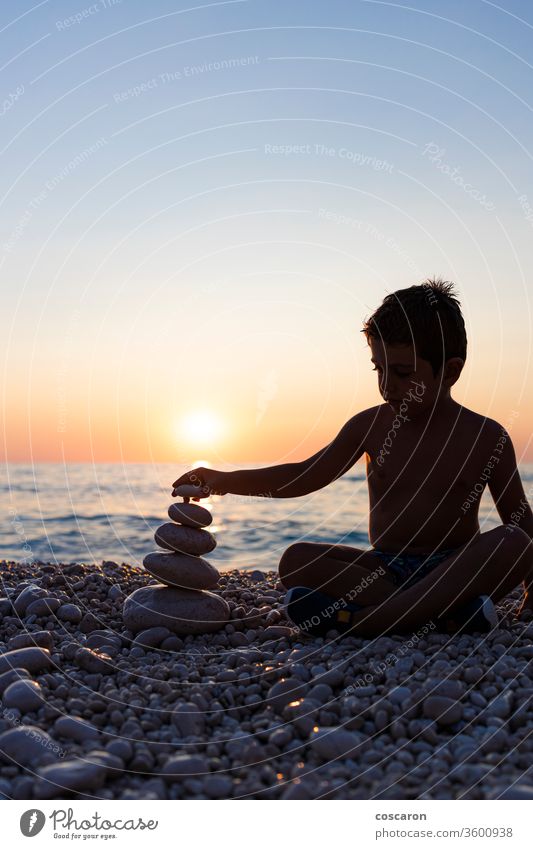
{"x": 407, "y": 569}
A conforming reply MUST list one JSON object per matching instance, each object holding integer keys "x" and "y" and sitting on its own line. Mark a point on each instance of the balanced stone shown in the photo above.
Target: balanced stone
{"x": 181, "y": 570}
{"x": 186, "y": 540}
{"x": 191, "y": 515}
{"x": 181, "y": 611}
{"x": 188, "y": 491}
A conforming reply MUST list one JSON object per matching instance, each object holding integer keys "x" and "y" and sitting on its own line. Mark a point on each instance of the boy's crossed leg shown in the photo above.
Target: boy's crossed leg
{"x": 337, "y": 570}
{"x": 492, "y": 563}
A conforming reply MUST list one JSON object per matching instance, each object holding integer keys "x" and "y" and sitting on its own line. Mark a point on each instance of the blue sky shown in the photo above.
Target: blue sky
{"x": 242, "y": 183}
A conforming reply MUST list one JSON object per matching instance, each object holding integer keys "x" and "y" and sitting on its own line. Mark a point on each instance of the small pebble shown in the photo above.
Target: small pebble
{"x": 179, "y": 766}
{"x": 69, "y": 613}
{"x": 443, "y": 710}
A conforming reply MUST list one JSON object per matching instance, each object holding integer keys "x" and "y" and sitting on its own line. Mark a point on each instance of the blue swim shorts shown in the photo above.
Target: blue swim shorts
{"x": 404, "y": 570}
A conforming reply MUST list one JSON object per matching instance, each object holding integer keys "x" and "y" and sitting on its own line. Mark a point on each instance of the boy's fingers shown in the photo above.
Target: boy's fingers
{"x": 184, "y": 479}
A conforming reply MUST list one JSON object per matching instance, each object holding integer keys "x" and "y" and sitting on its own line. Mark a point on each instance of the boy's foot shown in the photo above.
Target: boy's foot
{"x": 317, "y": 613}
{"x": 479, "y": 614}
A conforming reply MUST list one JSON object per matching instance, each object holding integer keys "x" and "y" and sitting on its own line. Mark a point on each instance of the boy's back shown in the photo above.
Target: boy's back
{"x": 422, "y": 473}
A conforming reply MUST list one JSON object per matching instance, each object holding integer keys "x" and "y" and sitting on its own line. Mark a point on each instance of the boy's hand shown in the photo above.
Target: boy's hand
{"x": 208, "y": 481}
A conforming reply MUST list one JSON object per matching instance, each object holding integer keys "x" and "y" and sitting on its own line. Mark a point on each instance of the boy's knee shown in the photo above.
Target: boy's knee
{"x": 291, "y": 561}
{"x": 518, "y": 544}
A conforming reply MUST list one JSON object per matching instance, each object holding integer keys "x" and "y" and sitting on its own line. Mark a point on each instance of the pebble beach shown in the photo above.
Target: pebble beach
{"x": 257, "y": 710}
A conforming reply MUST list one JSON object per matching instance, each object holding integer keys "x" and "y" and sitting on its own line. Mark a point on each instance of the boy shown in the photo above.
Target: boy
{"x": 428, "y": 460}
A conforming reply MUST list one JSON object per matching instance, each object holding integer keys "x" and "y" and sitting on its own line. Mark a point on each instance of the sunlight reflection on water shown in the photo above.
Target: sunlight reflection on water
{"x": 90, "y": 513}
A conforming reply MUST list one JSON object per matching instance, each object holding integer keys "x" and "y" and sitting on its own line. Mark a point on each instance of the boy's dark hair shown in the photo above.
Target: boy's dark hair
{"x": 427, "y": 316}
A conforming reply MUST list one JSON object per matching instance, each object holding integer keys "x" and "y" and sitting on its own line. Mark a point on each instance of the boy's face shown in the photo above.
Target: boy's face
{"x": 406, "y": 381}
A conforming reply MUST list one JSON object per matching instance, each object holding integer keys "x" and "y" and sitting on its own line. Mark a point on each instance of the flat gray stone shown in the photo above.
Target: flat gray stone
{"x": 188, "y": 719}
{"x": 449, "y": 688}
{"x": 284, "y": 691}
{"x": 179, "y": 767}
{"x": 181, "y": 570}
{"x": 398, "y": 695}
{"x": 72, "y": 776}
{"x": 43, "y": 639}
{"x": 185, "y": 540}
{"x": 6, "y": 607}
{"x": 218, "y": 786}
{"x": 27, "y": 745}
{"x": 70, "y": 613}
{"x": 25, "y": 695}
{"x": 333, "y": 743}
{"x": 517, "y": 791}
{"x": 181, "y": 611}
{"x": 73, "y": 728}
{"x": 94, "y": 662}
{"x": 443, "y": 710}
{"x": 256, "y": 576}
{"x": 25, "y": 598}
{"x": 33, "y": 659}
{"x": 11, "y": 675}
{"x": 191, "y": 515}
{"x": 152, "y": 637}
{"x": 43, "y": 606}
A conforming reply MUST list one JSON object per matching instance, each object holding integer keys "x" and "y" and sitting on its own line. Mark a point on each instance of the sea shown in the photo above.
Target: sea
{"x": 87, "y": 513}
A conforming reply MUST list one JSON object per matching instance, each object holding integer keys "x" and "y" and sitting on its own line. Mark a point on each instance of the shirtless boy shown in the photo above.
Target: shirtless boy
{"x": 428, "y": 460}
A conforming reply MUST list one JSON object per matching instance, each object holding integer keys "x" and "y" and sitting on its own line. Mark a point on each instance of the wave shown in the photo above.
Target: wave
{"x": 97, "y": 517}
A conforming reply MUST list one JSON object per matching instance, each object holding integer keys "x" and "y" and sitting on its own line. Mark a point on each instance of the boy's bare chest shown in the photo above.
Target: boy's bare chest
{"x": 433, "y": 462}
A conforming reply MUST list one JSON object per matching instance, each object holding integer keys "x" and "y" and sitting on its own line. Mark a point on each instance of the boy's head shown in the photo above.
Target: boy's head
{"x": 418, "y": 334}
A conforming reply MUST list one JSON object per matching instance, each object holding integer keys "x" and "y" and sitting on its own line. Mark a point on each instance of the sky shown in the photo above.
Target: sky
{"x": 200, "y": 203}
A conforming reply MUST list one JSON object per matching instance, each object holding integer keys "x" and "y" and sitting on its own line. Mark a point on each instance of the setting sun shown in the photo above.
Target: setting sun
{"x": 200, "y": 427}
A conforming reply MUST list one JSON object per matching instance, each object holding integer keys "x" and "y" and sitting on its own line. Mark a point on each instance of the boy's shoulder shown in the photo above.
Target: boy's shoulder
{"x": 486, "y": 426}
{"x": 482, "y": 425}
{"x": 365, "y": 417}
{"x": 484, "y": 434}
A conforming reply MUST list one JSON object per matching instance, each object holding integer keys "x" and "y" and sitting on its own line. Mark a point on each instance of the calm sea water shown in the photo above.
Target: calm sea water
{"x": 89, "y": 513}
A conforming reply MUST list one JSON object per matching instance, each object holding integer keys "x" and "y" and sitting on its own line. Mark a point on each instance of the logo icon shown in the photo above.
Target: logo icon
{"x": 32, "y": 822}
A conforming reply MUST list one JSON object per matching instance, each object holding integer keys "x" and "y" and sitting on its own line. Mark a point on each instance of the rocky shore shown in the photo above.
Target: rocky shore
{"x": 257, "y": 710}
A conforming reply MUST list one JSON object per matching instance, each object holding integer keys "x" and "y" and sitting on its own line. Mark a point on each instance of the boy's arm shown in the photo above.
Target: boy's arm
{"x": 290, "y": 480}
{"x": 506, "y": 487}
{"x": 510, "y": 499}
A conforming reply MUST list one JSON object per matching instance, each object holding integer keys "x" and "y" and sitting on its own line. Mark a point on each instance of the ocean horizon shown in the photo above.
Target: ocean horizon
{"x": 86, "y": 513}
